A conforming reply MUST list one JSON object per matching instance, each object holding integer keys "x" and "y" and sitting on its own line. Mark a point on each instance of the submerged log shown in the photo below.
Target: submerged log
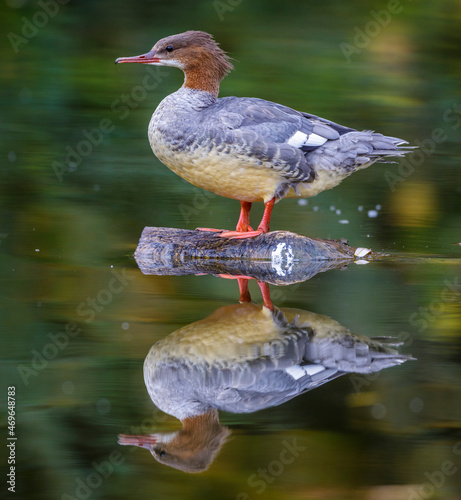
{"x": 279, "y": 257}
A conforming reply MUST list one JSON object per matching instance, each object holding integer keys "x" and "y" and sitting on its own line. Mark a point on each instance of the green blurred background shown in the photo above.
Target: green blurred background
{"x": 63, "y": 236}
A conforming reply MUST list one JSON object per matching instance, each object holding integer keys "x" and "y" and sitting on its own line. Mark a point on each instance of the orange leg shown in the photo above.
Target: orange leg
{"x": 262, "y": 228}
{"x": 265, "y": 221}
{"x": 209, "y": 229}
{"x": 243, "y": 225}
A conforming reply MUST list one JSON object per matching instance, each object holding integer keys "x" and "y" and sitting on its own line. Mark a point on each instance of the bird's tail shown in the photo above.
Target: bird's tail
{"x": 355, "y": 151}
{"x": 385, "y": 147}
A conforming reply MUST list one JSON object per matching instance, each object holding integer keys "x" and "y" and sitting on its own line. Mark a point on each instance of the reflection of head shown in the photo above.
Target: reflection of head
{"x": 192, "y": 449}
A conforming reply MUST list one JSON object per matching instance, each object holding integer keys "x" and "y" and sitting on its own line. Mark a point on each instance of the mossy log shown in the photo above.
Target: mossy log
{"x": 279, "y": 257}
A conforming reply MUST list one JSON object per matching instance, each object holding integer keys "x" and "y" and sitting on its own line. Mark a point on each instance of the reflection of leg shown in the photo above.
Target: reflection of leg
{"x": 244, "y": 292}
{"x": 264, "y": 287}
{"x": 243, "y": 285}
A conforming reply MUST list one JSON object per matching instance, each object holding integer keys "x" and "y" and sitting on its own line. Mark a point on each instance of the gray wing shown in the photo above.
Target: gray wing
{"x": 271, "y": 133}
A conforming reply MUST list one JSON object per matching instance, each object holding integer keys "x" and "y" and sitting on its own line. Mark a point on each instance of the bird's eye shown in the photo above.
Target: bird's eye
{"x": 169, "y": 48}
{"x": 161, "y": 453}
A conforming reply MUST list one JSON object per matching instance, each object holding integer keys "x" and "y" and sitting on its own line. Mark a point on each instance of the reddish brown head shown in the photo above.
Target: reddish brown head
{"x": 204, "y": 63}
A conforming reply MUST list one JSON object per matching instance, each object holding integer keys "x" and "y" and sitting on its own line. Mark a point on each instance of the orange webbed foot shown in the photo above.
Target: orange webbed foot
{"x": 234, "y": 235}
{"x": 209, "y": 229}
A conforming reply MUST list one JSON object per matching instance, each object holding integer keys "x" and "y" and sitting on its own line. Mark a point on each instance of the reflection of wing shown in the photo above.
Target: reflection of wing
{"x": 273, "y": 388}
{"x": 307, "y": 352}
{"x": 277, "y": 378}
{"x": 183, "y": 390}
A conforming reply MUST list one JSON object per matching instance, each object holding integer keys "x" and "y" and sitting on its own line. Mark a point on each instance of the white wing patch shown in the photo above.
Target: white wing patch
{"x": 299, "y": 139}
{"x": 315, "y": 140}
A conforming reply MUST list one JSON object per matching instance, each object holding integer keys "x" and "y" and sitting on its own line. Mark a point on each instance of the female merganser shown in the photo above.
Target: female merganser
{"x": 246, "y": 148}
{"x": 244, "y": 358}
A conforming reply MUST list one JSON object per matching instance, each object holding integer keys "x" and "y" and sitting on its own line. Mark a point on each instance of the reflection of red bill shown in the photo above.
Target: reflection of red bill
{"x": 141, "y": 441}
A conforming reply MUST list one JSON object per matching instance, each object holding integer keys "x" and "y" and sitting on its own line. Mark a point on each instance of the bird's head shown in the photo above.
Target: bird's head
{"x": 204, "y": 63}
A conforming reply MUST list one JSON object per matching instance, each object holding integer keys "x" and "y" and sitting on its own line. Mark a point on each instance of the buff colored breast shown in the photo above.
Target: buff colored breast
{"x": 229, "y": 175}
{"x": 324, "y": 179}
{"x": 232, "y": 175}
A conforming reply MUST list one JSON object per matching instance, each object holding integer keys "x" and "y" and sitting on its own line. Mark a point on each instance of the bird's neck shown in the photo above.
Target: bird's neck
{"x": 202, "y": 78}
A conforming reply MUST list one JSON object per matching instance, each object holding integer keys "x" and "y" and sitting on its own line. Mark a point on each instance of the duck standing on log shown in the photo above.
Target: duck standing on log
{"x": 246, "y": 148}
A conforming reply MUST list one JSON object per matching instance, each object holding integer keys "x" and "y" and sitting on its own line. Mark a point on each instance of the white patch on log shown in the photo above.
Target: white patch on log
{"x": 361, "y": 252}
{"x": 282, "y": 259}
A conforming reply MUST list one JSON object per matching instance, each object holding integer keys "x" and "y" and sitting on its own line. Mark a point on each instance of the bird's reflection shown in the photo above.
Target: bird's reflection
{"x": 244, "y": 358}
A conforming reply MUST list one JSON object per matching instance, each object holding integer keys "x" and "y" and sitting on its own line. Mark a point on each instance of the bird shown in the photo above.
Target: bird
{"x": 246, "y": 148}
{"x": 243, "y": 358}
